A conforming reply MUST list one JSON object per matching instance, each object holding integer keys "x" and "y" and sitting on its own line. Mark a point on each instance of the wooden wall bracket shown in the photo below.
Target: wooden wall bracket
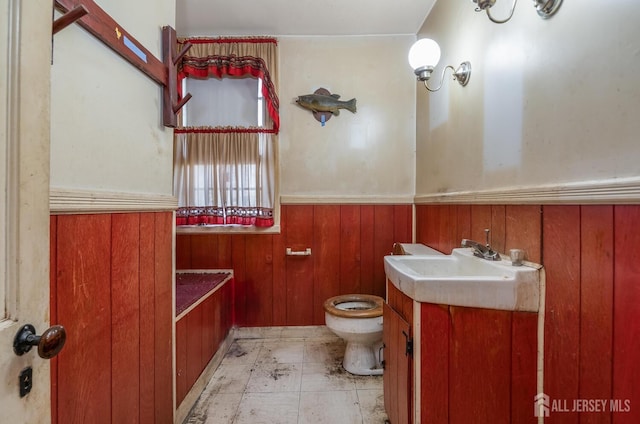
{"x": 171, "y": 104}
{"x": 68, "y": 18}
{"x": 102, "y": 26}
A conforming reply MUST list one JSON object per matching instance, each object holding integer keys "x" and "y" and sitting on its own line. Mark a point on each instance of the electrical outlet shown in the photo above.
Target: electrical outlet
{"x": 25, "y": 381}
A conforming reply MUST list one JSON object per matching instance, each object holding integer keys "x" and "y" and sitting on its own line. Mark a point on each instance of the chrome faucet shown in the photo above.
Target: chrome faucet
{"x": 482, "y": 251}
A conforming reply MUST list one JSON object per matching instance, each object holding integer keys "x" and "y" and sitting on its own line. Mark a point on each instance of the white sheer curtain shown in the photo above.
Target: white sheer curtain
{"x": 224, "y": 177}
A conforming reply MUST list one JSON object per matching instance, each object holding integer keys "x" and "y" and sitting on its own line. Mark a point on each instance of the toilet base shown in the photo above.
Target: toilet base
{"x": 360, "y": 359}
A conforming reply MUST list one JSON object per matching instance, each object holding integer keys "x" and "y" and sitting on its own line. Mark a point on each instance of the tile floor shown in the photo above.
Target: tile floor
{"x": 288, "y": 375}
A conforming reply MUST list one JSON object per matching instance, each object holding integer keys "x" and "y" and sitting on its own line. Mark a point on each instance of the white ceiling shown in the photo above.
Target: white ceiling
{"x": 300, "y": 17}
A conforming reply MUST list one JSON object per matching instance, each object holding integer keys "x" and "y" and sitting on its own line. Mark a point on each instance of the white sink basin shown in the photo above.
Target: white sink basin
{"x": 463, "y": 279}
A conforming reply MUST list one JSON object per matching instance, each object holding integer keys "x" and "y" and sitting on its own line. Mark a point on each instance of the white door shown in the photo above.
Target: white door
{"x": 25, "y": 60}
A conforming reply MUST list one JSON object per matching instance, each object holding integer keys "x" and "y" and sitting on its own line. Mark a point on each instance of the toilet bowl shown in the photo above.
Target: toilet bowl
{"x": 357, "y": 318}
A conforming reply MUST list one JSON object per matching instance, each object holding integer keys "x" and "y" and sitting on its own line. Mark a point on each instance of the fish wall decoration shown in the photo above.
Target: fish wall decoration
{"x": 323, "y": 104}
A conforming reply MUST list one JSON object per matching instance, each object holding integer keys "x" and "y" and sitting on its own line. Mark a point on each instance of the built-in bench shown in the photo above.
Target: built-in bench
{"x": 204, "y": 318}
{"x": 193, "y": 287}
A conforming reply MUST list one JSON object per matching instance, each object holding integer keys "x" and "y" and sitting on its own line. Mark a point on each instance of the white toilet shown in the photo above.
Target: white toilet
{"x": 357, "y": 318}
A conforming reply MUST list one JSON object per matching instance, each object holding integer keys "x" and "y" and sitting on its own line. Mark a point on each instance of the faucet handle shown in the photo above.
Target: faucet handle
{"x": 486, "y": 235}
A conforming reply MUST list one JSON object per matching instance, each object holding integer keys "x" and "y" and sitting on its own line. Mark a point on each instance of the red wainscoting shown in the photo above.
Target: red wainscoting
{"x": 348, "y": 243}
{"x": 592, "y": 321}
{"x": 111, "y": 285}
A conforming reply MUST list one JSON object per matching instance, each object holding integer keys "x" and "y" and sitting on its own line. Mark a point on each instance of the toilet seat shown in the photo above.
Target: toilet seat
{"x": 331, "y": 306}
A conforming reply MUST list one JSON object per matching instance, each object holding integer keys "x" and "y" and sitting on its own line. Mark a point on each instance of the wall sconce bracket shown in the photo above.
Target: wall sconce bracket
{"x": 463, "y": 73}
{"x": 547, "y": 8}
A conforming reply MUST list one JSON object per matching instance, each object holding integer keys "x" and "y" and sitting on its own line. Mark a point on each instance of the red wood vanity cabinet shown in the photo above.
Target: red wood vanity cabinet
{"x": 469, "y": 365}
{"x": 398, "y": 355}
{"x": 477, "y": 365}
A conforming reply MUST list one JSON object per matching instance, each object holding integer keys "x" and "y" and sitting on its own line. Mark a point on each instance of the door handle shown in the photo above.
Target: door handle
{"x": 50, "y": 343}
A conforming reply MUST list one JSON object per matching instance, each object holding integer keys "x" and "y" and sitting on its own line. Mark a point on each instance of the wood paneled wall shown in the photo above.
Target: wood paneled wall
{"x": 348, "y": 243}
{"x": 592, "y": 321}
{"x": 111, "y": 288}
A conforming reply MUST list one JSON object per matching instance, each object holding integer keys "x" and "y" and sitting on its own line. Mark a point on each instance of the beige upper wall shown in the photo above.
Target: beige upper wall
{"x": 366, "y": 156}
{"x": 549, "y": 101}
{"x": 106, "y": 116}
{"x": 107, "y": 134}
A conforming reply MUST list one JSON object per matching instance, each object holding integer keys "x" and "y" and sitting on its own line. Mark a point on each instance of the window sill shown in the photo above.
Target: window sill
{"x": 226, "y": 229}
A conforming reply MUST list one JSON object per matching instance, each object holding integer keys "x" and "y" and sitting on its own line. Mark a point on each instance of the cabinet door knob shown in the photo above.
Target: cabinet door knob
{"x": 50, "y": 343}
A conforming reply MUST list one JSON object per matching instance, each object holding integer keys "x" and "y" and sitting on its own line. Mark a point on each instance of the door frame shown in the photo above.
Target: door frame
{"x": 24, "y": 118}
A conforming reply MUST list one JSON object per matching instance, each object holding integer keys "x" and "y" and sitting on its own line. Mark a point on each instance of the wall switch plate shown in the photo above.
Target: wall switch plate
{"x": 25, "y": 381}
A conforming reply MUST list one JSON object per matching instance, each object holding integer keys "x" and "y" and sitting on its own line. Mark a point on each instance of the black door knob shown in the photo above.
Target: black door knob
{"x": 50, "y": 343}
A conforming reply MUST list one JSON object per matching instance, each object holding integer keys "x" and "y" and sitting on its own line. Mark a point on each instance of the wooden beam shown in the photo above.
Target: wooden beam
{"x": 107, "y": 30}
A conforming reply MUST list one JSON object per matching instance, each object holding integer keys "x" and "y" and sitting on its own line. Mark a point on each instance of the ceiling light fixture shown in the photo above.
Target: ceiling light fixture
{"x": 545, "y": 8}
{"x": 424, "y": 55}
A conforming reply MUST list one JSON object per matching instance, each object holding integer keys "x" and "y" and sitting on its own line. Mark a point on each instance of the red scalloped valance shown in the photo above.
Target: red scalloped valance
{"x": 219, "y": 57}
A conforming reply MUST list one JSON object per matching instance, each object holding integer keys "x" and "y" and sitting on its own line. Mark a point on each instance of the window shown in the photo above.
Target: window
{"x": 229, "y": 101}
{"x": 224, "y": 155}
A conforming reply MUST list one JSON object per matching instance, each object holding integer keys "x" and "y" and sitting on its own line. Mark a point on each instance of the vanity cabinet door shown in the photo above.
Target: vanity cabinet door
{"x": 397, "y": 370}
